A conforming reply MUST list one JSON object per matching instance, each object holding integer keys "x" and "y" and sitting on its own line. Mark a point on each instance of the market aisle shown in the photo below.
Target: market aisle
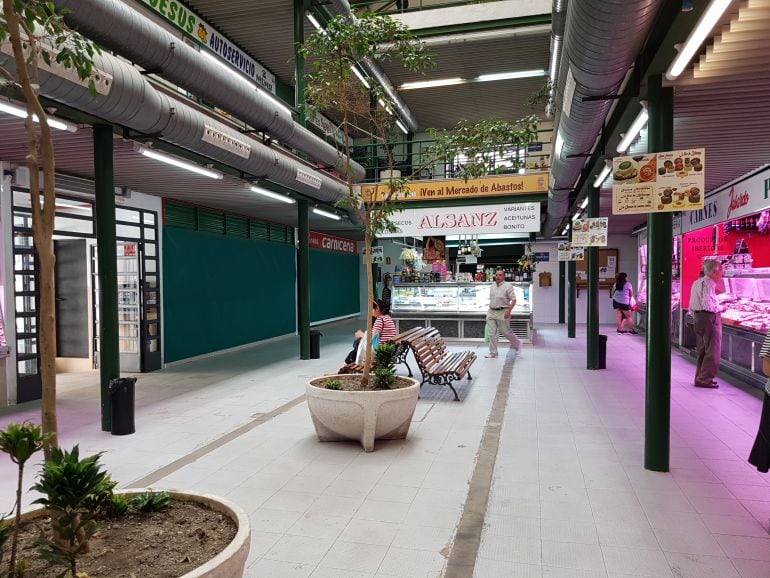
{"x": 570, "y": 496}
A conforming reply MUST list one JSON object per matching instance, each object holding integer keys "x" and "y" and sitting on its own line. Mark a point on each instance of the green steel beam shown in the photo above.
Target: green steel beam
{"x": 657, "y": 409}
{"x": 592, "y": 266}
{"x": 106, "y": 245}
{"x": 303, "y": 278}
{"x": 562, "y": 289}
{"x": 500, "y": 24}
{"x": 299, "y": 61}
{"x": 571, "y": 298}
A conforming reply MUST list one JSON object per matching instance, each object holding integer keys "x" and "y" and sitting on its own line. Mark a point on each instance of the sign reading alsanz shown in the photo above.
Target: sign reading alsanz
{"x": 457, "y": 188}
{"x": 510, "y": 218}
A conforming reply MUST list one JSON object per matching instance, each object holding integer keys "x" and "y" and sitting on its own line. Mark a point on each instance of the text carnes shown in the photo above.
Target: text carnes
{"x": 459, "y": 221}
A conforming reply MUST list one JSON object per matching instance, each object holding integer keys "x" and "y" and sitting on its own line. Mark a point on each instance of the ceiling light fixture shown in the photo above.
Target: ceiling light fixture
{"x": 174, "y": 161}
{"x": 584, "y": 204}
{"x": 602, "y": 176}
{"x": 559, "y": 144}
{"x": 577, "y": 214}
{"x": 510, "y": 75}
{"x": 432, "y": 83}
{"x": 360, "y": 76}
{"x": 326, "y": 214}
{"x": 21, "y": 112}
{"x": 272, "y": 195}
{"x": 702, "y": 29}
{"x": 564, "y": 231}
{"x": 313, "y": 21}
{"x": 635, "y": 129}
{"x": 401, "y": 126}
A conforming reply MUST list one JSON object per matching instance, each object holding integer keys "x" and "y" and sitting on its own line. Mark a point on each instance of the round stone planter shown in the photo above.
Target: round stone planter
{"x": 230, "y": 562}
{"x": 364, "y": 416}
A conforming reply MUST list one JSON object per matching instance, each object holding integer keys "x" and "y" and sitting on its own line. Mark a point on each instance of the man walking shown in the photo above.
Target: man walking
{"x": 502, "y": 300}
{"x": 706, "y": 312}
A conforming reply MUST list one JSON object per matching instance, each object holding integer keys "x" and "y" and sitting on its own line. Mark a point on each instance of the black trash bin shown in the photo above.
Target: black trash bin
{"x": 602, "y": 361}
{"x": 122, "y": 406}
{"x": 315, "y": 344}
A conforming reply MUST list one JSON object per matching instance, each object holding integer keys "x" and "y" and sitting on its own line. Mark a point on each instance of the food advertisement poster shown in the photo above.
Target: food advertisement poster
{"x": 434, "y": 249}
{"x": 589, "y": 232}
{"x": 569, "y": 253}
{"x": 659, "y": 182}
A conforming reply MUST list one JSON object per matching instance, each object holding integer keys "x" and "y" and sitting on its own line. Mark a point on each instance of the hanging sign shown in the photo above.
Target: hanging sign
{"x": 332, "y": 243}
{"x": 192, "y": 25}
{"x": 510, "y": 218}
{"x": 434, "y": 249}
{"x": 542, "y": 256}
{"x": 590, "y": 232}
{"x": 378, "y": 254}
{"x": 433, "y": 190}
{"x": 569, "y": 253}
{"x": 659, "y": 183}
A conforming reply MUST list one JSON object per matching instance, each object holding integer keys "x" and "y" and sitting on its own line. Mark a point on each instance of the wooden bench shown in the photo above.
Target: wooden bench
{"x": 437, "y": 365}
{"x": 403, "y": 342}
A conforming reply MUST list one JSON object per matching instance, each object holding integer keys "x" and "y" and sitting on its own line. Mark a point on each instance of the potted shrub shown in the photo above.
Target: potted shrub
{"x": 352, "y": 407}
{"x": 85, "y": 526}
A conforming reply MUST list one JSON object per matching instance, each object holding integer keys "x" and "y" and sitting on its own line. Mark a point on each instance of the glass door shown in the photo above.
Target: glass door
{"x": 128, "y": 307}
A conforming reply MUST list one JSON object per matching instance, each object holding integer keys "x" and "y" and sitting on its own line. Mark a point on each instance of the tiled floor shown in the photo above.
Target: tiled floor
{"x": 569, "y": 496}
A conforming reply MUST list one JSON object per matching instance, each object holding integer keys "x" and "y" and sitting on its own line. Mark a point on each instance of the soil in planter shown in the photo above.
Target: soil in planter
{"x": 352, "y": 382}
{"x": 165, "y": 544}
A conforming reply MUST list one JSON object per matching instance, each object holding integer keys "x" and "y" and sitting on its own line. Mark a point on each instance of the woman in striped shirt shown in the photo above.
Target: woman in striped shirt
{"x": 760, "y": 453}
{"x": 383, "y": 323}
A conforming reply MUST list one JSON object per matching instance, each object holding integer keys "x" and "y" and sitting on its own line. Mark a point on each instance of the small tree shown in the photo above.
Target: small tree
{"x": 333, "y": 86}
{"x": 39, "y": 37}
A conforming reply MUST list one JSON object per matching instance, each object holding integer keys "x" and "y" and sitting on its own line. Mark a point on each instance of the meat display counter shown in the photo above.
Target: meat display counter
{"x": 457, "y": 310}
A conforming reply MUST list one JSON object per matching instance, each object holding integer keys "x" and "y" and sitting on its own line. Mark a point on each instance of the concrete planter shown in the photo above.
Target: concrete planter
{"x": 364, "y": 416}
{"x": 230, "y": 562}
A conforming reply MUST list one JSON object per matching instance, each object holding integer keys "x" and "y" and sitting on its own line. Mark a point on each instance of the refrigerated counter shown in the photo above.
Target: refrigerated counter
{"x": 457, "y": 310}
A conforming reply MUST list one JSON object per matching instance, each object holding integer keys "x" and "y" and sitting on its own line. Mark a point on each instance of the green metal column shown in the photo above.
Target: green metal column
{"x": 657, "y": 413}
{"x": 562, "y": 289}
{"x": 571, "y": 297}
{"x": 303, "y": 279}
{"x": 299, "y": 61}
{"x": 106, "y": 246}
{"x": 592, "y": 266}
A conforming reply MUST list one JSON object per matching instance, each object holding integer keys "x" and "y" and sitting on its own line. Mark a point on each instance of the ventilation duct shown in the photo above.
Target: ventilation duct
{"x": 121, "y": 28}
{"x": 602, "y": 39}
{"x": 128, "y": 99}
{"x": 342, "y": 8}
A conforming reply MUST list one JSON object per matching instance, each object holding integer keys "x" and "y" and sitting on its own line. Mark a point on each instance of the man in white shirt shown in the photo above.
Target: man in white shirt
{"x": 502, "y": 300}
{"x": 706, "y": 312}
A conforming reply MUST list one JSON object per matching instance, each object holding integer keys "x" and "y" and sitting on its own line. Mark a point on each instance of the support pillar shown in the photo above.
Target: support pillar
{"x": 303, "y": 278}
{"x": 571, "y": 297}
{"x": 657, "y": 412}
{"x": 562, "y": 290}
{"x": 299, "y": 61}
{"x": 106, "y": 246}
{"x": 592, "y": 266}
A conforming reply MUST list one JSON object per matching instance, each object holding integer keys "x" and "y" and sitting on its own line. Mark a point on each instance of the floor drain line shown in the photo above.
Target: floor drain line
{"x": 167, "y": 470}
{"x": 465, "y": 548}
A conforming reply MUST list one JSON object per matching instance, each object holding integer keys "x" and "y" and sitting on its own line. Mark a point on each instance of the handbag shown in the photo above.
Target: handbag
{"x": 633, "y": 305}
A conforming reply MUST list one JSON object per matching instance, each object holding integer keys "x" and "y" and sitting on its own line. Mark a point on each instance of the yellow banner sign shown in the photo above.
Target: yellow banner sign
{"x": 457, "y": 188}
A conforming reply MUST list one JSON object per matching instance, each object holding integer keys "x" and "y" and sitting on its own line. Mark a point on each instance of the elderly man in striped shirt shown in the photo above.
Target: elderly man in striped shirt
{"x": 706, "y": 312}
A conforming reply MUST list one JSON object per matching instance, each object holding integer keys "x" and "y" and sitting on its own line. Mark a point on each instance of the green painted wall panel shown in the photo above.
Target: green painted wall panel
{"x": 334, "y": 279}
{"x": 221, "y": 292}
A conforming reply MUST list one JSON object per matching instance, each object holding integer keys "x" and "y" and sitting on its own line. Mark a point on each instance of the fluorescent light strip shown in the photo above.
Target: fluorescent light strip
{"x": 192, "y": 167}
{"x": 432, "y": 83}
{"x": 706, "y": 23}
{"x": 559, "y": 144}
{"x": 601, "y": 177}
{"x": 584, "y": 204}
{"x": 326, "y": 214}
{"x": 360, "y": 76}
{"x": 313, "y": 21}
{"x": 385, "y": 106}
{"x": 633, "y": 131}
{"x": 400, "y": 125}
{"x": 53, "y": 122}
{"x": 510, "y": 75}
{"x": 564, "y": 232}
{"x": 577, "y": 215}
{"x": 272, "y": 195}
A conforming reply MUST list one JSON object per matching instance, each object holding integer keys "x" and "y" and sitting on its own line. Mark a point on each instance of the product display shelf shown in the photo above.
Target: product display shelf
{"x": 457, "y": 310}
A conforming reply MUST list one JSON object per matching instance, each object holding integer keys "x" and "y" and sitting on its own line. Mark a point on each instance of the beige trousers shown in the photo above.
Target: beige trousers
{"x": 497, "y": 324}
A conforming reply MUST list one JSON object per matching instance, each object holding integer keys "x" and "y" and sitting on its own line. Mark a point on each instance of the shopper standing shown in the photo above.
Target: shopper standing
{"x": 387, "y": 289}
{"x": 622, "y": 293}
{"x": 760, "y": 453}
{"x": 502, "y": 300}
{"x": 706, "y": 311}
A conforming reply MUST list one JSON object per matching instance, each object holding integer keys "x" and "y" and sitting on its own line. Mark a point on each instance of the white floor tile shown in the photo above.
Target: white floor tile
{"x": 486, "y": 568}
{"x": 745, "y": 547}
{"x": 354, "y": 556}
{"x": 409, "y": 563}
{"x": 586, "y": 557}
{"x": 276, "y": 569}
{"x": 636, "y": 562}
{"x": 299, "y": 549}
{"x": 370, "y": 532}
{"x": 506, "y": 549}
{"x": 701, "y": 566}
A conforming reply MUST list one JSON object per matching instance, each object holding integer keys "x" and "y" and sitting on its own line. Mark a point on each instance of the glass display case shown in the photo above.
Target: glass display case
{"x": 457, "y": 310}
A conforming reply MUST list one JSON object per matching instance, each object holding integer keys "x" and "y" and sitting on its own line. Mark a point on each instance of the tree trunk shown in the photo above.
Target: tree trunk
{"x": 17, "y": 523}
{"x": 370, "y": 297}
{"x": 47, "y": 336}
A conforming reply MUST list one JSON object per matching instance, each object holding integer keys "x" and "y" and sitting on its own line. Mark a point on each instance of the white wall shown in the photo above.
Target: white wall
{"x": 545, "y": 300}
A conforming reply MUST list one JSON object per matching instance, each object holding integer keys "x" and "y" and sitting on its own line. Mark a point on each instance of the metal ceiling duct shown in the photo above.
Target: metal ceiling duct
{"x": 342, "y": 7}
{"x": 130, "y": 100}
{"x": 120, "y": 27}
{"x": 602, "y": 39}
{"x": 558, "y": 18}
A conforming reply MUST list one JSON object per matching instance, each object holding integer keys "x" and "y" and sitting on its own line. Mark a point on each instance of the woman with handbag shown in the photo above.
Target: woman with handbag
{"x": 622, "y": 295}
{"x": 760, "y": 453}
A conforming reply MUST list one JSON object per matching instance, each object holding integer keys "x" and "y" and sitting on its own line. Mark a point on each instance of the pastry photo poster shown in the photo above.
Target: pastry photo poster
{"x": 658, "y": 182}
